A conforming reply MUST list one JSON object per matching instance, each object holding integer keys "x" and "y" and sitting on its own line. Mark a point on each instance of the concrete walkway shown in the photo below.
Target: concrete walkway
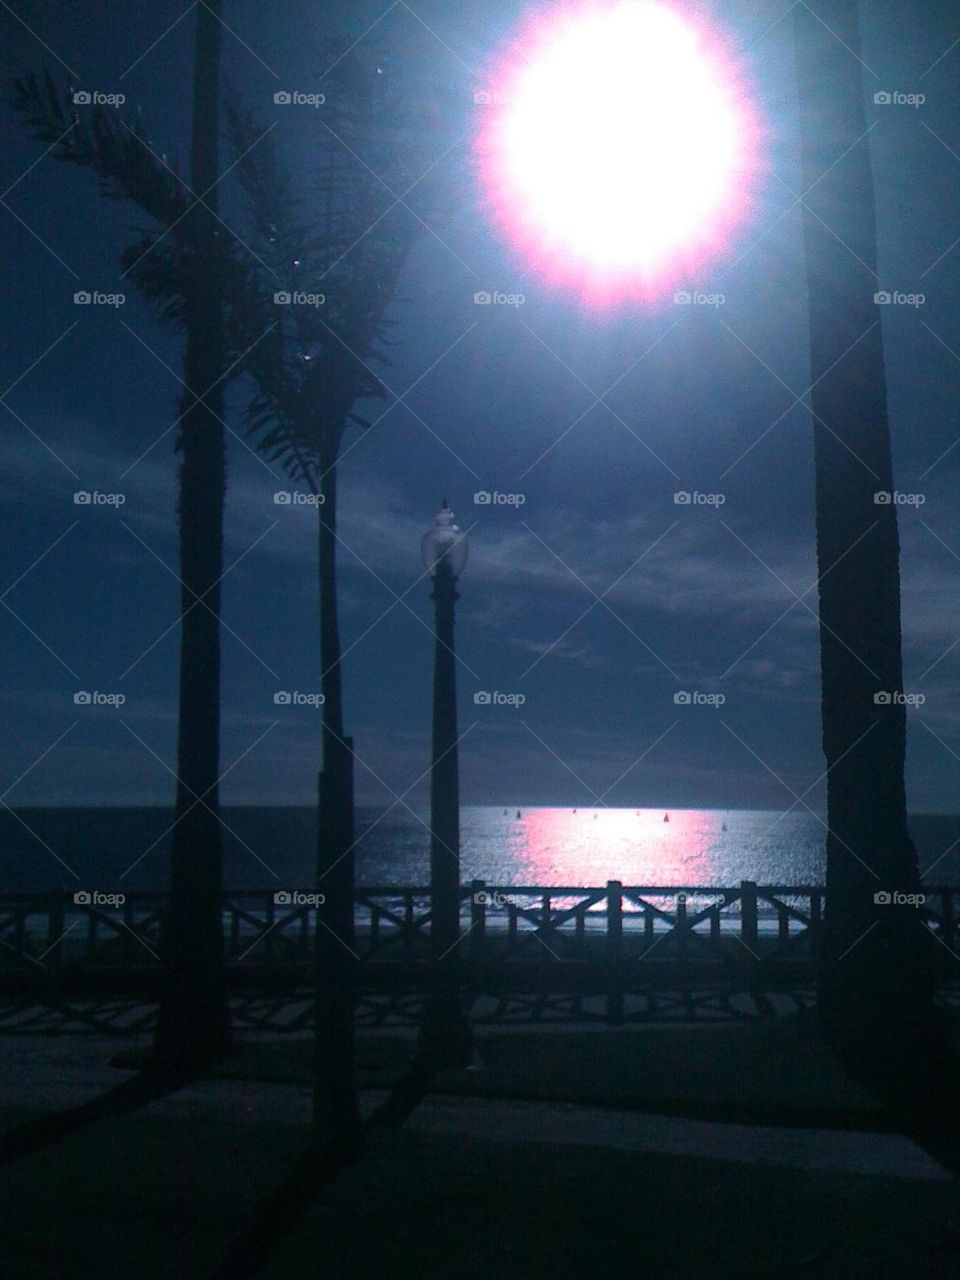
{"x": 39, "y": 1076}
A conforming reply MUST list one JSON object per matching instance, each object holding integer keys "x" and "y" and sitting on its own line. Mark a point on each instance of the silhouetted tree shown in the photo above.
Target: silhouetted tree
{"x": 877, "y": 976}
{"x": 193, "y": 1027}
{"x": 312, "y": 373}
{"x": 180, "y": 263}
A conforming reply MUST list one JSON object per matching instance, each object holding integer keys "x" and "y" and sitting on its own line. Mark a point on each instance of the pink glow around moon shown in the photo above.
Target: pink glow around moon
{"x": 617, "y": 146}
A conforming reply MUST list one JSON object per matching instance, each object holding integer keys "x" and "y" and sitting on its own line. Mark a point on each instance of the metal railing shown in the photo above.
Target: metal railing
{"x": 622, "y": 926}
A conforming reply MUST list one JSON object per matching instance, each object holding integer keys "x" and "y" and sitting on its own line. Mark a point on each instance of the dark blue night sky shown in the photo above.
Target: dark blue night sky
{"x": 596, "y": 419}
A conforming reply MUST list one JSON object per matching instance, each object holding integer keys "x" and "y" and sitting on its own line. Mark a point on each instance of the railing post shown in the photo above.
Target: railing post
{"x": 408, "y": 948}
{"x": 715, "y": 924}
{"x": 56, "y": 927}
{"x": 129, "y": 936}
{"x": 614, "y": 951}
{"x": 681, "y": 927}
{"x": 268, "y": 937}
{"x": 947, "y": 925}
{"x": 783, "y": 926}
{"x": 816, "y": 920}
{"x": 93, "y": 928}
{"x": 478, "y": 920}
{"x": 748, "y": 916}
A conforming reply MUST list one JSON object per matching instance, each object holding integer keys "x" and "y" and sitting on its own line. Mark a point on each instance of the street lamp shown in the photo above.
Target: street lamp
{"x": 445, "y": 1036}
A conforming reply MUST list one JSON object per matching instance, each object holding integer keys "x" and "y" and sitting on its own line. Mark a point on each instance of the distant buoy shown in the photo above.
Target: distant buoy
{"x": 596, "y": 815}
{"x": 574, "y": 811}
{"x": 504, "y": 813}
{"x": 518, "y": 813}
{"x": 666, "y": 817}
{"x": 724, "y": 827}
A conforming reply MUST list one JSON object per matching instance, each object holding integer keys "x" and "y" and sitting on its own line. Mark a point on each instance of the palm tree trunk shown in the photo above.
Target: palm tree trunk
{"x": 336, "y": 1117}
{"x": 193, "y": 1029}
{"x": 875, "y": 991}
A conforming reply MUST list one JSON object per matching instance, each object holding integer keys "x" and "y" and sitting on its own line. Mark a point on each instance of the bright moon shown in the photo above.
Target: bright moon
{"x": 616, "y": 146}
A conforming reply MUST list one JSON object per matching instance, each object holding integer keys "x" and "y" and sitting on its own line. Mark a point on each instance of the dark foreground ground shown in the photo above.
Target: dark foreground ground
{"x": 603, "y": 1153}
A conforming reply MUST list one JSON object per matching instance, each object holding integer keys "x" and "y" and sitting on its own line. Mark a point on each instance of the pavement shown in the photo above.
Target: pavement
{"x": 42, "y": 1075}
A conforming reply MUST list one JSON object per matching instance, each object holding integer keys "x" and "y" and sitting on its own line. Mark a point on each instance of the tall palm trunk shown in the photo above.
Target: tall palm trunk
{"x": 875, "y": 988}
{"x": 193, "y": 1028}
{"x": 336, "y": 1118}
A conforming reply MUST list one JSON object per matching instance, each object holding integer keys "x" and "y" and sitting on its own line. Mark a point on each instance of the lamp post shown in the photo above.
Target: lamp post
{"x": 445, "y": 1036}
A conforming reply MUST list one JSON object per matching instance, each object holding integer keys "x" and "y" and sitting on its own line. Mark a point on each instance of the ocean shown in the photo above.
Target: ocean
{"x": 112, "y": 849}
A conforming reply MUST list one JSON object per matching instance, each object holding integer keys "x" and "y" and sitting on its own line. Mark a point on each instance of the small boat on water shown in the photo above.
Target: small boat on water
{"x": 519, "y": 815}
{"x": 666, "y": 817}
{"x": 574, "y": 811}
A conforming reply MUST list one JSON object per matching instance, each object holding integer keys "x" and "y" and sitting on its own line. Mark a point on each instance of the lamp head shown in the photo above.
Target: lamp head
{"x": 444, "y": 544}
